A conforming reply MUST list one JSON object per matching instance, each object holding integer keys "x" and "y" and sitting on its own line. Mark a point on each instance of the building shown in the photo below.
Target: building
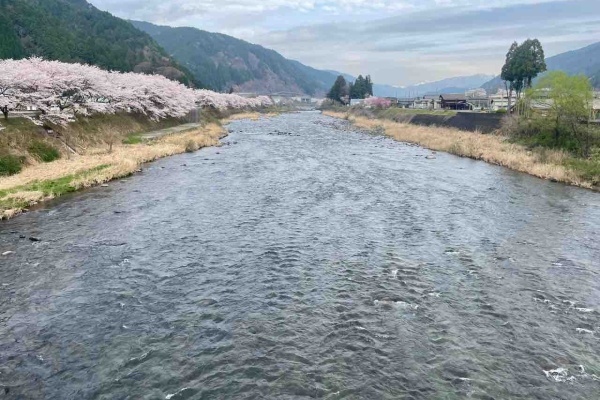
{"x": 393, "y": 101}
{"x": 479, "y": 103}
{"x": 356, "y": 102}
{"x": 406, "y": 102}
{"x": 429, "y": 102}
{"x": 499, "y": 101}
{"x": 454, "y": 101}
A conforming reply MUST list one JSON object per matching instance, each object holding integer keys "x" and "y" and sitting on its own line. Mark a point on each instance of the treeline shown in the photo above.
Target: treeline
{"x": 62, "y": 92}
{"x": 343, "y": 91}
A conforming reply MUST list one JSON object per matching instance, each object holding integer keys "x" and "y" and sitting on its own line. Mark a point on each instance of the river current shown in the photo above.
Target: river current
{"x": 305, "y": 259}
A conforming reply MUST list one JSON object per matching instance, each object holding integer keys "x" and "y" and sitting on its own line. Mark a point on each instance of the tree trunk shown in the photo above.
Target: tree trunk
{"x": 509, "y": 109}
{"x": 4, "y": 111}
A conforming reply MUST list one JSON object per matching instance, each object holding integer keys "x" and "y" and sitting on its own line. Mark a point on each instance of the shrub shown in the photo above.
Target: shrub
{"x": 43, "y": 151}
{"x": 10, "y": 165}
{"x": 191, "y": 146}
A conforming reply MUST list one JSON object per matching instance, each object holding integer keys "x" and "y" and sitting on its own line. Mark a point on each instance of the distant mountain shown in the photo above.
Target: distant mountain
{"x": 457, "y": 84}
{"x": 582, "y": 61}
{"x": 76, "y": 31}
{"x": 224, "y": 62}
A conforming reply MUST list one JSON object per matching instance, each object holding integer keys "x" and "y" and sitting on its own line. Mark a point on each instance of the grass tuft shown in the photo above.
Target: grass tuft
{"x": 43, "y": 151}
{"x": 10, "y": 165}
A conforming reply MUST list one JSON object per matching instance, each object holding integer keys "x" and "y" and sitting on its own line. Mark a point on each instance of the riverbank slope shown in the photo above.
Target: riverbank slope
{"x": 555, "y": 165}
{"x": 98, "y": 164}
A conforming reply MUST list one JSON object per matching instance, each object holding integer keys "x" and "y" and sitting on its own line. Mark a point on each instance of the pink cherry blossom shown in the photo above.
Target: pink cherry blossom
{"x": 64, "y": 91}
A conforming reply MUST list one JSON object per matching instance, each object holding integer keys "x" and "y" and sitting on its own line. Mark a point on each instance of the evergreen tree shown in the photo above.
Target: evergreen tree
{"x": 339, "y": 90}
{"x": 362, "y": 87}
{"x": 523, "y": 63}
{"x": 369, "y": 85}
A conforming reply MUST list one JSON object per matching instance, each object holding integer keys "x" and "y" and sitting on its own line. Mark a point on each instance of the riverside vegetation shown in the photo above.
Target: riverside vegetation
{"x": 96, "y": 162}
{"x": 87, "y": 124}
{"x": 501, "y": 149}
{"x": 548, "y": 133}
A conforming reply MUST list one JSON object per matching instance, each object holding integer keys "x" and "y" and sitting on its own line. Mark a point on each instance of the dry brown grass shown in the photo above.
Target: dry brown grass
{"x": 254, "y": 116}
{"x": 87, "y": 168}
{"x": 495, "y": 149}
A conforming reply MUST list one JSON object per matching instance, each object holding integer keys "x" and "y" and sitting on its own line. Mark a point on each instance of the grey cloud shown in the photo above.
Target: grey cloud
{"x": 441, "y": 42}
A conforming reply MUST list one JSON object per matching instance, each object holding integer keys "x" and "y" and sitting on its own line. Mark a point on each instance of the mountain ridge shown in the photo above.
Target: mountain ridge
{"x": 76, "y": 31}
{"x": 224, "y": 62}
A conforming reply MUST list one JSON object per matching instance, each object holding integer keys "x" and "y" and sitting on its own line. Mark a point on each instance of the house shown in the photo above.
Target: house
{"x": 454, "y": 101}
{"x": 428, "y": 102}
{"x": 393, "y": 101}
{"x": 499, "y": 101}
{"x": 406, "y": 102}
{"x": 478, "y": 103}
{"x": 355, "y": 102}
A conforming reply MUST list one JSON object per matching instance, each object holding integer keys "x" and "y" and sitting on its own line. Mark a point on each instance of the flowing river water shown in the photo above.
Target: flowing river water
{"x": 304, "y": 259}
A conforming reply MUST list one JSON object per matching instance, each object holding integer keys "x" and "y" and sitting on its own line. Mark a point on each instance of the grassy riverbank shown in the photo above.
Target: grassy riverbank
{"x": 556, "y": 165}
{"x": 96, "y": 164}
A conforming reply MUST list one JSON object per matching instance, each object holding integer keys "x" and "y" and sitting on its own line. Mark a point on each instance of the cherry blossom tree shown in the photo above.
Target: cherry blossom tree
{"x": 377, "y": 102}
{"x": 62, "y": 92}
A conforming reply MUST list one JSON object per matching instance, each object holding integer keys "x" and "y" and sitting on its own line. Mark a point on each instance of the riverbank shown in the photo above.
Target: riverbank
{"x": 97, "y": 165}
{"x": 543, "y": 163}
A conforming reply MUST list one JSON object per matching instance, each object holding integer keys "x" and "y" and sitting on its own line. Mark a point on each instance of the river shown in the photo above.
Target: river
{"x": 304, "y": 259}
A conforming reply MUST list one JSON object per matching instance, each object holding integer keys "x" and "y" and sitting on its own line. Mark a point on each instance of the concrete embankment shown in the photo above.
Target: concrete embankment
{"x": 472, "y": 122}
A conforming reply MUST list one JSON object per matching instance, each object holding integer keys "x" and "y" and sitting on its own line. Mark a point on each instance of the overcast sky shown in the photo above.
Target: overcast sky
{"x": 398, "y": 42}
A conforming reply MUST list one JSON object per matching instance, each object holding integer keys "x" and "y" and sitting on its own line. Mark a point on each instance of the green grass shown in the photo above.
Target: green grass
{"x": 43, "y": 151}
{"x": 133, "y": 138}
{"x": 51, "y": 187}
{"x": 10, "y": 165}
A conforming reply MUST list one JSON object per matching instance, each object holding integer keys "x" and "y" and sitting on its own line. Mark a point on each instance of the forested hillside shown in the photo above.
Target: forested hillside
{"x": 223, "y": 62}
{"x": 76, "y": 31}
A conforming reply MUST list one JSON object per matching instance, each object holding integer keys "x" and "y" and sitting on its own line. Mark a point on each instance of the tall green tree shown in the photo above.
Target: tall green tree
{"x": 369, "y": 85}
{"x": 361, "y": 88}
{"x": 339, "y": 90}
{"x": 523, "y": 63}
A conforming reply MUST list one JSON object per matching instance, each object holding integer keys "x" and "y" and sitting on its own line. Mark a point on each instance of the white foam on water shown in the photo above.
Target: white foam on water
{"x": 559, "y": 375}
{"x": 584, "y": 331}
{"x": 170, "y": 396}
{"x": 584, "y": 310}
{"x": 395, "y": 273}
{"x": 403, "y": 304}
{"x": 140, "y": 358}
